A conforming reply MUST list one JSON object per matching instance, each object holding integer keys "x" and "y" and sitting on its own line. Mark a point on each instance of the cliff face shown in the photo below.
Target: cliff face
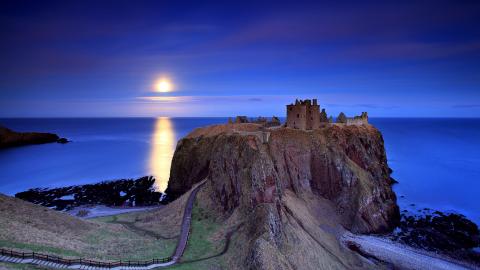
{"x": 294, "y": 185}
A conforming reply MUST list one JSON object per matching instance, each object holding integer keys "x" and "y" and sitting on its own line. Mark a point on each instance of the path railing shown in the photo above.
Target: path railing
{"x": 63, "y": 261}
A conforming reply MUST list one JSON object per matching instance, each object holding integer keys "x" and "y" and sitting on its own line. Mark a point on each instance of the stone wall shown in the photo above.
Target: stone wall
{"x": 358, "y": 120}
{"x": 313, "y": 117}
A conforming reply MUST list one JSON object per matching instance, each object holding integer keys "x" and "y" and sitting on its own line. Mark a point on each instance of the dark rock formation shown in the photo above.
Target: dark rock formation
{"x": 342, "y": 118}
{"x": 127, "y": 192}
{"x": 447, "y": 233}
{"x": 63, "y": 140}
{"x": 9, "y": 138}
{"x": 438, "y": 232}
{"x": 298, "y": 185}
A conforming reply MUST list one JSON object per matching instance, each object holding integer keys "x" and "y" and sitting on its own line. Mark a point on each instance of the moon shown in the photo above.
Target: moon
{"x": 163, "y": 85}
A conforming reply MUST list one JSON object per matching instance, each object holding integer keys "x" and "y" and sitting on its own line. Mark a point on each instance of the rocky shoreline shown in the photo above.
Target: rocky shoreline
{"x": 10, "y": 138}
{"x": 450, "y": 234}
{"x": 123, "y": 192}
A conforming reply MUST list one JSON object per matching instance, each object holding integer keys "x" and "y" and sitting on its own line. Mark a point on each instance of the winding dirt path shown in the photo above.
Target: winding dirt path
{"x": 186, "y": 222}
{"x": 179, "y": 250}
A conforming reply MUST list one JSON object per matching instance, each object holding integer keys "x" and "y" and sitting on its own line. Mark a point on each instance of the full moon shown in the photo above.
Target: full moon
{"x": 163, "y": 86}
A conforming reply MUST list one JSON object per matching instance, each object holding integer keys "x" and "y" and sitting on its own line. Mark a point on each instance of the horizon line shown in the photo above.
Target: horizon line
{"x": 117, "y": 117}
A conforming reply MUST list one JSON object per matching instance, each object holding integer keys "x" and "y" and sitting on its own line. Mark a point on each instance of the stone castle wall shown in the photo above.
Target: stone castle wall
{"x": 358, "y": 120}
{"x": 313, "y": 117}
{"x": 303, "y": 114}
{"x": 297, "y": 116}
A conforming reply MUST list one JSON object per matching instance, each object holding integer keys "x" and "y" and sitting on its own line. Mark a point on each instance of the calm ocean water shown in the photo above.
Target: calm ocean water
{"x": 436, "y": 161}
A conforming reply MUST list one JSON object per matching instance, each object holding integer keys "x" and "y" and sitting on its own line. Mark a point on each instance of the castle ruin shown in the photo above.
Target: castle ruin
{"x": 351, "y": 121}
{"x": 358, "y": 120}
{"x": 306, "y": 115}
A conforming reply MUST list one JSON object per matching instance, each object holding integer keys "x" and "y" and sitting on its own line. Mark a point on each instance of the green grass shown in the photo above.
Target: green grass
{"x": 131, "y": 246}
{"x": 38, "y": 248}
{"x": 200, "y": 246}
{"x": 130, "y": 217}
{"x": 106, "y": 219}
{"x": 203, "y": 226}
{"x": 128, "y": 245}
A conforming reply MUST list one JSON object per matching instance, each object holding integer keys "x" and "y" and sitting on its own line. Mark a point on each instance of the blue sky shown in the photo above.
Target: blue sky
{"x": 101, "y": 58}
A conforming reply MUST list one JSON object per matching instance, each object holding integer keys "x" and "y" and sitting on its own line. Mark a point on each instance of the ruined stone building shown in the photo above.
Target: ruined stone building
{"x": 260, "y": 120}
{"x": 304, "y": 114}
{"x": 356, "y": 120}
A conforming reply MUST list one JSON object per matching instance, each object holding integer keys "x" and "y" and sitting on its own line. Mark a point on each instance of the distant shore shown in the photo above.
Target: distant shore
{"x": 10, "y": 138}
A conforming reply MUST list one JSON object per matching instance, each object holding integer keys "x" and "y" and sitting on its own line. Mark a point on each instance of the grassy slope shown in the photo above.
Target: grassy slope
{"x": 203, "y": 249}
{"x": 27, "y": 227}
{"x": 131, "y": 236}
{"x": 206, "y": 240}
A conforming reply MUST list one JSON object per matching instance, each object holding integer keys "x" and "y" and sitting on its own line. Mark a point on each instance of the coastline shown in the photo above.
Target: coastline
{"x": 73, "y": 199}
{"x": 400, "y": 255}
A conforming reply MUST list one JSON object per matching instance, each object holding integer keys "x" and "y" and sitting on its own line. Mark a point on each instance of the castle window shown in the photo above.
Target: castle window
{"x": 298, "y": 115}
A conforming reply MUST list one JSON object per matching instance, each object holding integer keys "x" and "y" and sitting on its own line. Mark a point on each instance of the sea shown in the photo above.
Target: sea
{"x": 435, "y": 160}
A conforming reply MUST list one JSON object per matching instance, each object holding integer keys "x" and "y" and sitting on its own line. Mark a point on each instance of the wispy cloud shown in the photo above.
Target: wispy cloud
{"x": 367, "y": 106}
{"x": 466, "y": 106}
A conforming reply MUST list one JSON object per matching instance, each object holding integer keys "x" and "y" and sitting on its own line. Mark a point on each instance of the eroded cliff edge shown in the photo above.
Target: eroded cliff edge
{"x": 294, "y": 191}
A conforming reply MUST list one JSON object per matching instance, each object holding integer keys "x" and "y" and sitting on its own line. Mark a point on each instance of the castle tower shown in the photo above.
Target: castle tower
{"x": 304, "y": 114}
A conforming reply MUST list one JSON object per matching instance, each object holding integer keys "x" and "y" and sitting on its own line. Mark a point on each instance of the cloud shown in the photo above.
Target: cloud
{"x": 168, "y": 99}
{"x": 368, "y": 106}
{"x": 208, "y": 99}
{"x": 466, "y": 106}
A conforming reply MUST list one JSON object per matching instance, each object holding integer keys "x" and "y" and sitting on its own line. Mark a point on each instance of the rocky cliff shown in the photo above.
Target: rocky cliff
{"x": 10, "y": 138}
{"x": 294, "y": 191}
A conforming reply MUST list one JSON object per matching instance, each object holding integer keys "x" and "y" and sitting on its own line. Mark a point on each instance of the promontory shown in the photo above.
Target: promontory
{"x": 10, "y": 138}
{"x": 289, "y": 193}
